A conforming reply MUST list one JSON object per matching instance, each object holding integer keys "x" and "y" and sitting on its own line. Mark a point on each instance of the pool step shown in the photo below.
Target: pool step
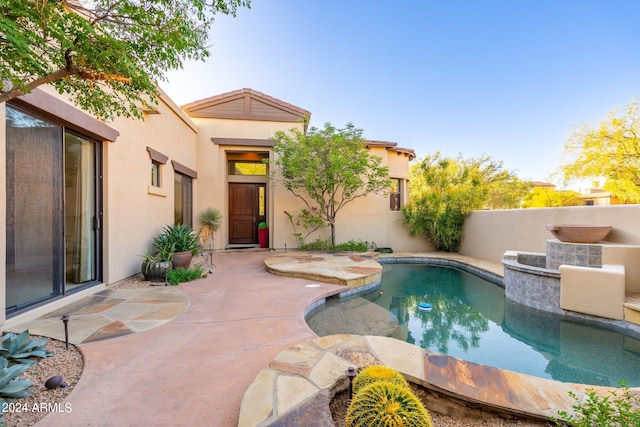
{"x": 632, "y": 309}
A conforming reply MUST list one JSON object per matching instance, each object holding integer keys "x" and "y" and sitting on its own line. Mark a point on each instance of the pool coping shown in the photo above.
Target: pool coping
{"x": 300, "y": 382}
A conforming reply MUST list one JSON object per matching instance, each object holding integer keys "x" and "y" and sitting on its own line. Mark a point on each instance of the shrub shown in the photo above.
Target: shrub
{"x": 374, "y": 374}
{"x": 181, "y": 274}
{"x": 352, "y": 246}
{"x": 325, "y": 245}
{"x": 386, "y": 404}
{"x": 615, "y": 410}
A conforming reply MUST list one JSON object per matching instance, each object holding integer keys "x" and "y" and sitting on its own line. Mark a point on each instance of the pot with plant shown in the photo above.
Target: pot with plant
{"x": 184, "y": 241}
{"x": 263, "y": 234}
{"x": 155, "y": 266}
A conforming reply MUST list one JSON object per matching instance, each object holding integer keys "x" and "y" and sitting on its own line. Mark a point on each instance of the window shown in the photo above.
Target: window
{"x": 157, "y": 160}
{"x": 395, "y": 195}
{"x": 183, "y": 200}
{"x": 54, "y": 213}
{"x": 155, "y": 174}
{"x": 183, "y": 193}
{"x": 237, "y": 167}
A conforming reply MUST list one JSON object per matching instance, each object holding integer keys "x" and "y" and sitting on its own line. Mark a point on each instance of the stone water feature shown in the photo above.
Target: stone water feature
{"x": 537, "y": 279}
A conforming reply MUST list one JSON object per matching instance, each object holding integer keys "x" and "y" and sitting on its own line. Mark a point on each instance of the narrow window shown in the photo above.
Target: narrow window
{"x": 395, "y": 195}
{"x": 157, "y": 160}
{"x": 155, "y": 174}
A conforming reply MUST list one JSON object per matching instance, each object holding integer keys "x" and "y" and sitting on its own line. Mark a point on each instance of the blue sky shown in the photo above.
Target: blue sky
{"x": 508, "y": 79}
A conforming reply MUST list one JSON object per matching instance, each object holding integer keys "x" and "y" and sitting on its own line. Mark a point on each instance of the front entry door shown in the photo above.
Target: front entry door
{"x": 246, "y": 210}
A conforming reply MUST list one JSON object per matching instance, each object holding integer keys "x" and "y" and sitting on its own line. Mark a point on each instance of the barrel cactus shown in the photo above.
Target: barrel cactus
{"x": 374, "y": 374}
{"x": 386, "y": 404}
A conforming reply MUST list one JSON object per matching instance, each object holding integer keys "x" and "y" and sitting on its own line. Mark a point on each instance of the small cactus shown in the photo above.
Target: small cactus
{"x": 386, "y": 404}
{"x": 374, "y": 374}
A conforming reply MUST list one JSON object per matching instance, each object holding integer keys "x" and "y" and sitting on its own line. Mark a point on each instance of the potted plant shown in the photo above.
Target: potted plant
{"x": 155, "y": 266}
{"x": 184, "y": 242}
{"x": 263, "y": 234}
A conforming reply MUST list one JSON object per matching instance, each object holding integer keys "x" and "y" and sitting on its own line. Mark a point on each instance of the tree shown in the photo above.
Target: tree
{"x": 549, "y": 198}
{"x": 508, "y": 193}
{"x": 444, "y": 191}
{"x": 106, "y": 54}
{"x": 328, "y": 168}
{"x": 610, "y": 151}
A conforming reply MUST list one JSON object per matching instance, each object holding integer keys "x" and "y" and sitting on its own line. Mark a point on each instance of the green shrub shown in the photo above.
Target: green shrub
{"x": 181, "y": 275}
{"x": 374, "y": 374}
{"x": 616, "y": 410}
{"x": 386, "y": 404}
{"x": 352, "y": 246}
{"x": 325, "y": 245}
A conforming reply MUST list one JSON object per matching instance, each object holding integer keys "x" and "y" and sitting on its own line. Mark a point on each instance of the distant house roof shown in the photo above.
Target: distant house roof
{"x": 246, "y": 104}
{"x": 393, "y": 147}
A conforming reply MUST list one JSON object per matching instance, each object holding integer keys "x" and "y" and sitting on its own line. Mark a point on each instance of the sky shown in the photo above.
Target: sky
{"x": 507, "y": 79}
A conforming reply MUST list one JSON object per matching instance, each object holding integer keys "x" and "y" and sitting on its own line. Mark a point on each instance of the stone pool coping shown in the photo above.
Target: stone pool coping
{"x": 300, "y": 382}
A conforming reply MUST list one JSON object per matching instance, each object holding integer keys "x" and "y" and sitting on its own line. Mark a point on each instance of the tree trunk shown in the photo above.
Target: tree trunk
{"x": 333, "y": 234}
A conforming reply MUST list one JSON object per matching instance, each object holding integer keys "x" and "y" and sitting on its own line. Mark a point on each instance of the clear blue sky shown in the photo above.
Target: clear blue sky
{"x": 509, "y": 79}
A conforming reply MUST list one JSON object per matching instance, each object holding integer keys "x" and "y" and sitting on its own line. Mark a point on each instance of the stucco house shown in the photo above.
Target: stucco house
{"x": 82, "y": 198}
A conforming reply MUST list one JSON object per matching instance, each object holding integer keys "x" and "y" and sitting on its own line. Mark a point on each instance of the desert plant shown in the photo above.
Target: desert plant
{"x": 211, "y": 220}
{"x": 616, "y": 410}
{"x": 181, "y": 237}
{"x": 386, "y": 404}
{"x": 164, "y": 248}
{"x": 352, "y": 246}
{"x": 10, "y": 387}
{"x": 376, "y": 373}
{"x": 181, "y": 275}
{"x": 20, "y": 348}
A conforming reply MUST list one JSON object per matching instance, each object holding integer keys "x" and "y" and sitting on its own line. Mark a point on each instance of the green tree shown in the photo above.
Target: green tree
{"x": 508, "y": 193}
{"x": 107, "y": 55}
{"x": 549, "y": 198}
{"x": 610, "y": 151}
{"x": 328, "y": 168}
{"x": 444, "y": 191}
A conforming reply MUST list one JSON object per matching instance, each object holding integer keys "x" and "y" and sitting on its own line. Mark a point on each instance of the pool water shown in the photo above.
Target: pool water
{"x": 471, "y": 320}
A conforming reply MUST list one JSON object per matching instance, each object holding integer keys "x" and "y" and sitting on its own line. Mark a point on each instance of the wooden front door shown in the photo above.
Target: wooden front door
{"x": 246, "y": 209}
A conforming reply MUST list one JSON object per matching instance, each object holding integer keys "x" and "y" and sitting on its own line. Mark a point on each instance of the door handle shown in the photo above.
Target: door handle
{"x": 254, "y": 219}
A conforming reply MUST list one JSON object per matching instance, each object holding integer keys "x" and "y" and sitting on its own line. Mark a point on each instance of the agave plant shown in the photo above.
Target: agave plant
{"x": 180, "y": 236}
{"x": 20, "y": 348}
{"x": 10, "y": 387}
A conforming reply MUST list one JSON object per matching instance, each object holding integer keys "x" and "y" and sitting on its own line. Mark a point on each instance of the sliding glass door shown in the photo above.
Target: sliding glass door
{"x": 53, "y": 212}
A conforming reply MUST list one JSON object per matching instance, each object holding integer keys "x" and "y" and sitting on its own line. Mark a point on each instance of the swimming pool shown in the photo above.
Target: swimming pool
{"x": 471, "y": 320}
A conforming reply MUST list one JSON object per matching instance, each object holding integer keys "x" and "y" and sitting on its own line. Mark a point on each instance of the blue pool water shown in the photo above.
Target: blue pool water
{"x": 471, "y": 320}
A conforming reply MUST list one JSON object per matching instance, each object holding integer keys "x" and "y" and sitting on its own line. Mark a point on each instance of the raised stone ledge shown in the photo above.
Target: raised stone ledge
{"x": 312, "y": 372}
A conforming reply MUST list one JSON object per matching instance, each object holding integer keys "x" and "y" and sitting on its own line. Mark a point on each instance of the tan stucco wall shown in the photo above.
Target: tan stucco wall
{"x": 489, "y": 234}
{"x": 212, "y": 171}
{"x": 596, "y": 291}
{"x": 134, "y": 211}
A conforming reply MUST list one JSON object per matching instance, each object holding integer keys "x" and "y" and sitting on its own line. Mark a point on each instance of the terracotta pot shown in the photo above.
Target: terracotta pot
{"x": 182, "y": 259}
